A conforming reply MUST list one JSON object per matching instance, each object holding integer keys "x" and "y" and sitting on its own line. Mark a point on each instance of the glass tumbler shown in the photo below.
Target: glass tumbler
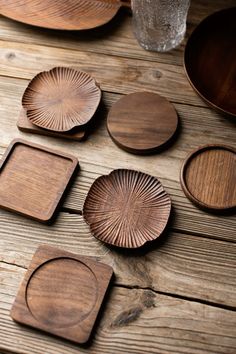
{"x": 160, "y": 25}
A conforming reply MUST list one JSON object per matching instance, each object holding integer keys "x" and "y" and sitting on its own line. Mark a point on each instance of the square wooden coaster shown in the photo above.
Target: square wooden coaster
{"x": 62, "y": 293}
{"x": 33, "y": 179}
{"x": 26, "y": 126}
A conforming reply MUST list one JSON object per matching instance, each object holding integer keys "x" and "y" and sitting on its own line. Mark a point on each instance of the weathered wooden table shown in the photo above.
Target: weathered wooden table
{"x": 175, "y": 297}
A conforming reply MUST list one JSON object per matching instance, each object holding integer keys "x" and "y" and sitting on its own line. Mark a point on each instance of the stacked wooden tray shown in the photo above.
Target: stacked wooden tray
{"x": 60, "y": 102}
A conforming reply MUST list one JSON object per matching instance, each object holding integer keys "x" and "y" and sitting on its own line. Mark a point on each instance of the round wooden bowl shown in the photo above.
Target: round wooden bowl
{"x": 127, "y": 208}
{"x": 142, "y": 122}
{"x": 210, "y": 60}
{"x": 61, "y": 99}
{"x": 60, "y": 14}
{"x": 208, "y": 177}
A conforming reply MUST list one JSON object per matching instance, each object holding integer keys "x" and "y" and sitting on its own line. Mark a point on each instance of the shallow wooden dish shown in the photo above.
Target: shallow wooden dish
{"x": 208, "y": 177}
{"x": 62, "y": 293}
{"x": 61, "y": 99}
{"x": 62, "y": 15}
{"x": 127, "y": 208}
{"x": 24, "y": 125}
{"x": 33, "y": 179}
{"x": 142, "y": 122}
{"x": 210, "y": 62}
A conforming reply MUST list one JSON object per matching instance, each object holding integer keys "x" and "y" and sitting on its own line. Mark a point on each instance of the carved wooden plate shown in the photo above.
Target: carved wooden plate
{"x": 208, "y": 177}
{"x": 127, "y": 208}
{"x": 60, "y": 14}
{"x": 61, "y": 99}
{"x": 210, "y": 62}
{"x": 62, "y": 293}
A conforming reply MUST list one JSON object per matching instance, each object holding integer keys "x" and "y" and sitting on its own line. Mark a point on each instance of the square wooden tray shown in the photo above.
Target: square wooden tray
{"x": 26, "y": 126}
{"x": 33, "y": 179}
{"x": 62, "y": 293}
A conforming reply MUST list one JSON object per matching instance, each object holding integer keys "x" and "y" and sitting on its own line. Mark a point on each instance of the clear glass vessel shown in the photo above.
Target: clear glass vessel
{"x": 160, "y": 25}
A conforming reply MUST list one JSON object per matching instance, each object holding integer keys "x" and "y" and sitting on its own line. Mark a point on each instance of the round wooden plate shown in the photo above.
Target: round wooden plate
{"x": 142, "y": 122}
{"x": 61, "y": 99}
{"x": 208, "y": 177}
{"x": 210, "y": 60}
{"x": 127, "y": 208}
{"x": 60, "y": 14}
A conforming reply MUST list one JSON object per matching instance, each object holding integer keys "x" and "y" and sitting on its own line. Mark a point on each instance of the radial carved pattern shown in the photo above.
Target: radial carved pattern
{"x": 127, "y": 208}
{"x": 61, "y": 14}
{"x": 61, "y": 99}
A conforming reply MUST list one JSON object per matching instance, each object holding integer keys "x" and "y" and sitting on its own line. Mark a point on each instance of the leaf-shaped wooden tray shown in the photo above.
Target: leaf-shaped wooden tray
{"x": 60, "y": 14}
{"x": 127, "y": 208}
{"x": 61, "y": 99}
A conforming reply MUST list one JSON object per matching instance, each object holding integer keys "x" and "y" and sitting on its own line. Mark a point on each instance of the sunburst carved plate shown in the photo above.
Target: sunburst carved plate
{"x": 127, "y": 208}
{"x": 61, "y": 99}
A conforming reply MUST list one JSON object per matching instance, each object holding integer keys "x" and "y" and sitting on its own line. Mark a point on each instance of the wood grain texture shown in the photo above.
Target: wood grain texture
{"x": 61, "y": 99}
{"x": 208, "y": 177}
{"x": 57, "y": 14}
{"x": 196, "y": 129}
{"x": 134, "y": 321}
{"x": 26, "y": 126}
{"x": 182, "y": 264}
{"x": 210, "y": 60}
{"x": 33, "y": 179}
{"x": 117, "y": 75}
{"x": 127, "y": 208}
{"x": 142, "y": 122}
{"x": 191, "y": 263}
{"x": 62, "y": 293}
{"x": 113, "y": 38}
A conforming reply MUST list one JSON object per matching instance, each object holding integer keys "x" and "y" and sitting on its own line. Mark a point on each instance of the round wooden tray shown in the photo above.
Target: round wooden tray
{"x": 127, "y": 208}
{"x": 210, "y": 62}
{"x": 61, "y": 99}
{"x": 142, "y": 122}
{"x": 208, "y": 177}
{"x": 62, "y": 15}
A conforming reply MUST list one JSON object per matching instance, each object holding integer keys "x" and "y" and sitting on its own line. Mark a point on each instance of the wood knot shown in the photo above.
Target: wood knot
{"x": 157, "y": 74}
{"x": 10, "y": 56}
{"x": 148, "y": 299}
{"x": 127, "y": 317}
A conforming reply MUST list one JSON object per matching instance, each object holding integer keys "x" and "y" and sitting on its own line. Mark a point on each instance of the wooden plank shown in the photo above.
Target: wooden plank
{"x": 98, "y": 155}
{"x": 132, "y": 321}
{"x": 114, "y": 74}
{"x": 179, "y": 264}
{"x": 113, "y": 38}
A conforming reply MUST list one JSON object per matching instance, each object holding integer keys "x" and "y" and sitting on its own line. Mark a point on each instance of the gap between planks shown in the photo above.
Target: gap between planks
{"x": 137, "y": 287}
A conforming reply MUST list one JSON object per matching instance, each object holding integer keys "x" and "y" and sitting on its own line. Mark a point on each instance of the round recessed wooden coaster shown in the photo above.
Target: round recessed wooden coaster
{"x": 142, "y": 122}
{"x": 208, "y": 177}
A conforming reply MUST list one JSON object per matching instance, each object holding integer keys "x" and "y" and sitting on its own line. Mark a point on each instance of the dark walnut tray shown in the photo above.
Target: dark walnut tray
{"x": 208, "y": 177}
{"x": 24, "y": 125}
{"x": 62, "y": 293}
{"x": 33, "y": 179}
{"x": 127, "y": 208}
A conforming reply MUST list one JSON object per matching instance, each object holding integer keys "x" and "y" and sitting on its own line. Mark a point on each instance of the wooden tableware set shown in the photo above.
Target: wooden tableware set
{"x": 62, "y": 292}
